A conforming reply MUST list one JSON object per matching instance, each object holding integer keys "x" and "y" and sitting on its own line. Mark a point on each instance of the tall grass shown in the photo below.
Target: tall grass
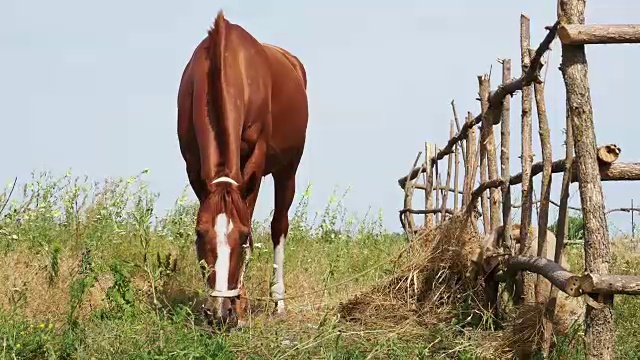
{"x": 90, "y": 270}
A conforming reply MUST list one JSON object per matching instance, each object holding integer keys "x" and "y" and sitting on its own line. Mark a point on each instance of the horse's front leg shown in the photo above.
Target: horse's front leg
{"x": 252, "y": 178}
{"x": 284, "y": 183}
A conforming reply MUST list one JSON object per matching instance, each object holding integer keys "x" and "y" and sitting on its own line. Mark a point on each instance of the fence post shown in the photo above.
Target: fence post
{"x": 527, "y": 157}
{"x": 599, "y": 327}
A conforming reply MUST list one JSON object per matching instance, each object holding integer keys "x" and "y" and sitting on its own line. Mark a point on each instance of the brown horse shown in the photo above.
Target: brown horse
{"x": 242, "y": 115}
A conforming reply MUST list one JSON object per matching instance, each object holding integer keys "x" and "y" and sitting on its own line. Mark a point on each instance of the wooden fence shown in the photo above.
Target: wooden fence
{"x": 584, "y": 163}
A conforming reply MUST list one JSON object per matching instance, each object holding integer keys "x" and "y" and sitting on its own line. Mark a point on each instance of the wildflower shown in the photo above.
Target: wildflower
{"x": 42, "y": 326}
{"x": 17, "y": 346}
{"x": 50, "y": 325}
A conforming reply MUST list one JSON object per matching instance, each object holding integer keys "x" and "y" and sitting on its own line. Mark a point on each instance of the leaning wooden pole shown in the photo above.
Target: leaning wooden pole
{"x": 505, "y": 136}
{"x": 482, "y": 148}
{"x": 527, "y": 156}
{"x": 456, "y": 179}
{"x": 504, "y": 156}
{"x": 463, "y": 141}
{"x": 545, "y": 192}
{"x": 406, "y": 218}
{"x": 484, "y": 199}
{"x": 428, "y": 193}
{"x": 545, "y": 198}
{"x": 436, "y": 216}
{"x": 472, "y": 164}
{"x": 561, "y": 233}
{"x": 447, "y": 184}
{"x": 599, "y": 326}
{"x": 489, "y": 141}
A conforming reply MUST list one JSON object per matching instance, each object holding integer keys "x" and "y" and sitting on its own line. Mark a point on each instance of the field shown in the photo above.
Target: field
{"x": 87, "y": 271}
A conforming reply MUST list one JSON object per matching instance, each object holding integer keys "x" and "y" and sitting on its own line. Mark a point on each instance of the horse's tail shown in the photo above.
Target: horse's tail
{"x": 216, "y": 99}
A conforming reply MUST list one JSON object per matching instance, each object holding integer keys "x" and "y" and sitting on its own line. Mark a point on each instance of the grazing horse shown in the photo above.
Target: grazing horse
{"x": 242, "y": 115}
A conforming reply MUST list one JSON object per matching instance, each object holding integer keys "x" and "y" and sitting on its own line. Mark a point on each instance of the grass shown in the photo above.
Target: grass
{"x": 88, "y": 271}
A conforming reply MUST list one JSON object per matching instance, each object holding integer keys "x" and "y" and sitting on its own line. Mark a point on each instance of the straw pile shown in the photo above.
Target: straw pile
{"x": 438, "y": 284}
{"x": 431, "y": 284}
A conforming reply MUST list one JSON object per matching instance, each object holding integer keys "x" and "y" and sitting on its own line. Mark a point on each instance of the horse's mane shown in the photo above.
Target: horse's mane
{"x": 225, "y": 198}
{"x": 216, "y": 104}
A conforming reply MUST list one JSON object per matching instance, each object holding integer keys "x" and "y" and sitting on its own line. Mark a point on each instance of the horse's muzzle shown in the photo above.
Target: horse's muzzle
{"x": 220, "y": 309}
{"x": 228, "y": 314}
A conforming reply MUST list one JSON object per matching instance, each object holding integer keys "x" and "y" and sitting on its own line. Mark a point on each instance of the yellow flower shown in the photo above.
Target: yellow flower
{"x": 17, "y": 346}
{"x": 50, "y": 325}
{"x": 41, "y": 326}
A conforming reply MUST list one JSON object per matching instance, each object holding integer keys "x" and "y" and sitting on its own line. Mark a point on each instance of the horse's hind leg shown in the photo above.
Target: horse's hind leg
{"x": 285, "y": 186}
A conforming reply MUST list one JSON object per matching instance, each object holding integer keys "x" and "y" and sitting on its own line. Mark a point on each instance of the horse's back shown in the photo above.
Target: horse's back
{"x": 292, "y": 60}
{"x": 264, "y": 79}
{"x": 289, "y": 107}
{"x": 195, "y": 69}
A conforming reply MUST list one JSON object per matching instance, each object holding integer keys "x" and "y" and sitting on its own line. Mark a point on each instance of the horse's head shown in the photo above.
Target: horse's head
{"x": 222, "y": 241}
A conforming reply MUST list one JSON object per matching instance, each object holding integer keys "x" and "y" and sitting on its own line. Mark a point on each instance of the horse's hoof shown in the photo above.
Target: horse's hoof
{"x": 278, "y": 315}
{"x": 242, "y": 324}
{"x": 279, "y": 310}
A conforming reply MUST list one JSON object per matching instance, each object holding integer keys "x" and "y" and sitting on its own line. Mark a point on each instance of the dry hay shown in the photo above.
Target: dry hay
{"x": 525, "y": 331}
{"x": 438, "y": 284}
{"x": 430, "y": 286}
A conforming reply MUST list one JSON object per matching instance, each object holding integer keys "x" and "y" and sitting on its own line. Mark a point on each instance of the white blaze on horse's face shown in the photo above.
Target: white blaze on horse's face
{"x": 222, "y": 228}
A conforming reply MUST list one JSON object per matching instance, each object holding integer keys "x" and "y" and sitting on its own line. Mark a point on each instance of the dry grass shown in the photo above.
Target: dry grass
{"x": 525, "y": 331}
{"x": 27, "y": 288}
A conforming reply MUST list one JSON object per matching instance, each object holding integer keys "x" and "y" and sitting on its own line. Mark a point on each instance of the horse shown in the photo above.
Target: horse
{"x": 242, "y": 115}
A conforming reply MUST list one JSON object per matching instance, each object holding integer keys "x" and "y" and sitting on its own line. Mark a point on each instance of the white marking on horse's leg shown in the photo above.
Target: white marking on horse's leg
{"x": 222, "y": 228}
{"x": 277, "y": 290}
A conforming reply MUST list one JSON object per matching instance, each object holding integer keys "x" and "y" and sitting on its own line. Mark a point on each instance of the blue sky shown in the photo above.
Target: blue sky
{"x": 91, "y": 86}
